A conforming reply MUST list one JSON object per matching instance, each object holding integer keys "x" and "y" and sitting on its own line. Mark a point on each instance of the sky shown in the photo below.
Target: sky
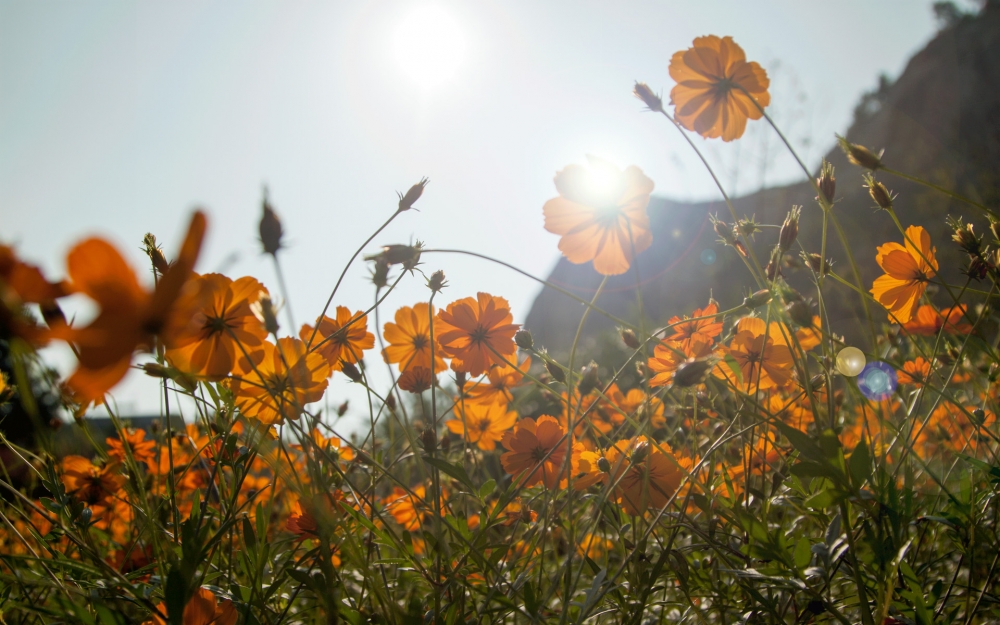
{"x": 118, "y": 118}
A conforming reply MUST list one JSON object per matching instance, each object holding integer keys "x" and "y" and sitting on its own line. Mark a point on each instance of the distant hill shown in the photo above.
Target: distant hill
{"x": 940, "y": 120}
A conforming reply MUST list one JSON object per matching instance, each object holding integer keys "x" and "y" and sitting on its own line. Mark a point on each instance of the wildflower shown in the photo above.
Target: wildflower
{"x": 601, "y": 215}
{"x": 698, "y": 330}
{"x": 500, "y": 379}
{"x": 477, "y": 333}
{"x": 129, "y": 317}
{"x": 914, "y": 372}
{"x": 692, "y": 372}
{"x": 907, "y": 270}
{"x": 653, "y": 102}
{"x": 331, "y": 446}
{"x": 222, "y": 329}
{"x": 646, "y": 473}
{"x": 142, "y": 450}
{"x": 410, "y": 509}
{"x": 344, "y": 339}
{"x": 416, "y": 379}
{"x": 668, "y": 356}
{"x": 538, "y": 450}
{"x": 89, "y": 483}
{"x": 277, "y": 382}
{"x": 928, "y": 321}
{"x": 760, "y": 354}
{"x": 202, "y": 609}
{"x": 594, "y": 546}
{"x": 413, "y": 194}
{"x": 482, "y": 424}
{"x": 409, "y": 338}
{"x": 717, "y": 91}
{"x": 20, "y": 284}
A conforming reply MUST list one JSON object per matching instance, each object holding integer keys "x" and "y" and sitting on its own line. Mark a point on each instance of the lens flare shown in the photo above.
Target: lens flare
{"x": 878, "y": 381}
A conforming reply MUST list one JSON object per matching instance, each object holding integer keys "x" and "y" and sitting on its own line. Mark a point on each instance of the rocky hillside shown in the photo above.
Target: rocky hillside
{"x": 940, "y": 121}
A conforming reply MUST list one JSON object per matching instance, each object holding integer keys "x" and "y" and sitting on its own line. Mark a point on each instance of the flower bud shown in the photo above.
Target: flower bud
{"x": 826, "y": 182}
{"x": 995, "y": 229}
{"x": 879, "y": 193}
{"x": 692, "y": 372}
{"x": 817, "y": 381}
{"x": 644, "y": 93}
{"x": 588, "y": 378}
{"x": 978, "y": 268}
{"x": 800, "y": 312}
{"x": 351, "y": 371}
{"x": 445, "y": 442}
{"x": 460, "y": 377}
{"x": 757, "y": 299}
{"x": 342, "y": 409}
{"x": 603, "y": 465}
{"x": 966, "y": 238}
{"x": 436, "y": 281}
{"x": 397, "y": 254}
{"x": 52, "y": 313}
{"x": 789, "y": 229}
{"x": 380, "y": 274}
{"x": 522, "y": 338}
{"x": 630, "y": 339}
{"x": 860, "y": 155}
{"x": 772, "y": 270}
{"x": 429, "y": 440}
{"x": 406, "y": 201}
{"x": 979, "y": 415}
{"x": 742, "y": 249}
{"x": 270, "y": 228}
{"x": 723, "y": 230}
{"x": 555, "y": 371}
{"x": 390, "y": 401}
{"x": 640, "y": 452}
{"x": 816, "y": 263}
{"x": 265, "y": 312}
{"x": 155, "y": 254}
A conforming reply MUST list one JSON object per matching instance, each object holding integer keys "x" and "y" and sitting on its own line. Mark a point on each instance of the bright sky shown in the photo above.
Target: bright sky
{"x": 118, "y": 117}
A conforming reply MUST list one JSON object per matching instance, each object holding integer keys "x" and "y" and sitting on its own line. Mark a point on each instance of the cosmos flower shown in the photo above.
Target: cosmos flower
{"x": 339, "y": 340}
{"x": 537, "y": 453}
{"x": 279, "y": 380}
{"x": 907, "y": 269}
{"x": 482, "y": 424}
{"x": 477, "y": 333}
{"x": 717, "y": 88}
{"x": 601, "y": 215}
{"x": 645, "y": 473}
{"x": 409, "y": 339}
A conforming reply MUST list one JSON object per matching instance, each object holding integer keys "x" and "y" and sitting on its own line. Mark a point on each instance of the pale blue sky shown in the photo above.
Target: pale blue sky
{"x": 118, "y": 117}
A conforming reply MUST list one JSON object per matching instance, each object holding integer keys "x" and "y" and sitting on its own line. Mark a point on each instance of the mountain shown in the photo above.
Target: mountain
{"x": 940, "y": 121}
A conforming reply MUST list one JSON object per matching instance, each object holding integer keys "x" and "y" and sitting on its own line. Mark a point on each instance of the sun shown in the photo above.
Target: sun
{"x": 429, "y": 45}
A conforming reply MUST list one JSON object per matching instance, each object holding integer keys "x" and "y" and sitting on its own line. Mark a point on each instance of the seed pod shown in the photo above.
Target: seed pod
{"x": 406, "y": 201}
{"x": 772, "y": 270}
{"x": 860, "y": 155}
{"x": 445, "y": 443}
{"x": 588, "y": 378}
{"x": 644, "y": 93}
{"x": 522, "y": 338}
{"x": 630, "y": 339}
{"x": 826, "y": 182}
{"x": 789, "y": 229}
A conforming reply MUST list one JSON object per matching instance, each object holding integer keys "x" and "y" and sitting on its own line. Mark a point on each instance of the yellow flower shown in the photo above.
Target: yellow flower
{"x": 339, "y": 340}
{"x": 482, "y": 424}
{"x": 278, "y": 381}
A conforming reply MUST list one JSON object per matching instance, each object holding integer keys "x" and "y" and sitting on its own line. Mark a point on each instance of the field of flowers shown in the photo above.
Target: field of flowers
{"x": 762, "y": 470}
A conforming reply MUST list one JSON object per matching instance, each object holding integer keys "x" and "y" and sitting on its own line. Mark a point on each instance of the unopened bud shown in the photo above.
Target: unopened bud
{"x": 723, "y": 230}
{"x": 460, "y": 378}
{"x": 555, "y": 371}
{"x": 815, "y": 262}
{"x": 817, "y": 381}
{"x": 264, "y": 310}
{"x": 642, "y": 369}
{"x": 397, "y": 254}
{"x": 522, "y": 338}
{"x": 860, "y": 155}
{"x": 789, "y": 229}
{"x": 184, "y": 380}
{"x": 436, "y": 281}
{"x": 604, "y": 465}
{"x": 978, "y": 268}
{"x": 640, "y": 452}
{"x": 772, "y": 270}
{"x": 270, "y": 228}
{"x": 390, "y": 401}
{"x": 644, "y": 93}
{"x": 979, "y": 415}
{"x": 757, "y": 299}
{"x": 826, "y": 182}
{"x": 380, "y": 274}
{"x": 429, "y": 440}
{"x": 692, "y": 372}
{"x": 965, "y": 236}
{"x": 155, "y": 254}
{"x": 588, "y": 378}
{"x": 342, "y": 409}
{"x": 630, "y": 339}
{"x": 879, "y": 193}
{"x": 406, "y": 201}
{"x": 351, "y": 371}
{"x": 445, "y": 443}
{"x": 800, "y": 312}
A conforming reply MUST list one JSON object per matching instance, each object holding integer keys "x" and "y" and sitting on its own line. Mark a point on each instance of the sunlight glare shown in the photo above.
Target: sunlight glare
{"x": 429, "y": 45}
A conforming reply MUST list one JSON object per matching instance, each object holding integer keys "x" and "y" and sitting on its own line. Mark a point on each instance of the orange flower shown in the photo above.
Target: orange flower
{"x": 482, "y": 424}
{"x": 645, "y": 473}
{"x": 538, "y": 451}
{"x": 594, "y": 546}
{"x": 222, "y": 329}
{"x": 91, "y": 484}
{"x": 762, "y": 356}
{"x": 202, "y": 609}
{"x": 21, "y": 283}
{"x": 914, "y": 372}
{"x": 601, "y": 215}
{"x": 410, "y": 510}
{"x": 344, "y": 339}
{"x": 332, "y": 446}
{"x": 689, "y": 333}
{"x": 717, "y": 91}
{"x": 668, "y": 356}
{"x": 500, "y": 379}
{"x": 130, "y": 317}
{"x": 907, "y": 270}
{"x": 416, "y": 379}
{"x": 142, "y": 450}
{"x": 478, "y": 333}
{"x": 409, "y": 339}
{"x": 928, "y": 321}
{"x": 270, "y": 391}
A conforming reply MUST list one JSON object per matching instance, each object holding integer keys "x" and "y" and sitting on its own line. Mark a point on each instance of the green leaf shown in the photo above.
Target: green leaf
{"x": 860, "y": 464}
{"x": 249, "y": 537}
{"x": 487, "y": 489}
{"x": 454, "y": 471}
{"x": 530, "y": 600}
{"x": 175, "y": 597}
{"x": 806, "y": 446}
{"x": 803, "y": 553}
